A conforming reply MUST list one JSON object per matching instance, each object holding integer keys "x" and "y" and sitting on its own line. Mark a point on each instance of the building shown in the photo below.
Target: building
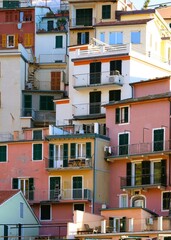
{"x": 17, "y": 217}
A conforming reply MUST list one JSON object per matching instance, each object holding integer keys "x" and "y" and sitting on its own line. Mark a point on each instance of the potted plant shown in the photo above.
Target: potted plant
{"x": 61, "y": 23}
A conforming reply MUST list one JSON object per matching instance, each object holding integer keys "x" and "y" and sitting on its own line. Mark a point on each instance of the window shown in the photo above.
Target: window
{"x": 10, "y": 41}
{"x": 3, "y": 153}
{"x": 46, "y": 103}
{"x": 79, "y": 206}
{"x": 11, "y": 4}
{"x": 95, "y": 72}
{"x": 106, "y": 11}
{"x": 55, "y": 80}
{"x": 84, "y": 17}
{"x": 50, "y": 25}
{"x": 37, "y": 151}
{"x": 166, "y": 203}
{"x": 27, "y": 105}
{"x": 117, "y": 224}
{"x": 83, "y": 38}
{"x": 59, "y": 42}
{"x": 146, "y": 172}
{"x": 77, "y": 187}
{"x": 121, "y": 115}
{"x": 135, "y": 37}
{"x": 116, "y": 38}
{"x": 55, "y": 188}
{"x": 158, "y": 142}
{"x": 115, "y": 67}
{"x": 21, "y": 210}
{"x": 80, "y": 150}
{"x": 138, "y": 201}
{"x": 114, "y": 95}
{"x": 37, "y": 134}
{"x": 123, "y": 143}
{"x": 95, "y": 102}
{"x": 102, "y": 36}
{"x": 45, "y": 212}
{"x": 123, "y": 200}
{"x": 25, "y": 185}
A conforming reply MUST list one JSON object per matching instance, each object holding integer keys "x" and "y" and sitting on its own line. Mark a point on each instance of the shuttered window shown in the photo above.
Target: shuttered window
{"x": 55, "y": 80}
{"x": 3, "y": 153}
{"x": 37, "y": 151}
{"x": 121, "y": 115}
{"x": 28, "y": 39}
{"x": 59, "y": 42}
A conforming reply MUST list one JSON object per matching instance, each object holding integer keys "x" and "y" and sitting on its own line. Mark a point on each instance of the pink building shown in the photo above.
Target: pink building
{"x": 139, "y": 154}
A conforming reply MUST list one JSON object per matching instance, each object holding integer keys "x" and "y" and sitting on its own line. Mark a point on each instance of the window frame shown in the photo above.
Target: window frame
{"x": 121, "y": 116}
{"x": 45, "y": 102}
{"x": 106, "y": 11}
{"x": 6, "y": 155}
{"x": 162, "y": 199}
{"x": 126, "y": 146}
{"x": 37, "y": 136}
{"x": 57, "y": 43}
{"x": 153, "y": 139}
{"x": 33, "y": 152}
{"x": 121, "y": 202}
{"x": 83, "y": 38}
{"x": 13, "y": 41}
{"x": 115, "y": 38}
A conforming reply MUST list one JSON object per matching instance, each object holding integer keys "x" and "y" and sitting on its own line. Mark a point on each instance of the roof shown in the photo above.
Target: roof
{"x": 7, "y": 194}
{"x": 119, "y": 23}
{"x": 151, "y": 80}
{"x": 165, "y": 12}
{"x": 140, "y": 99}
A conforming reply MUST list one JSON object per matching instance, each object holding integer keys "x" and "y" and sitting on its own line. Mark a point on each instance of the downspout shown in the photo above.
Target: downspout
{"x": 94, "y": 177}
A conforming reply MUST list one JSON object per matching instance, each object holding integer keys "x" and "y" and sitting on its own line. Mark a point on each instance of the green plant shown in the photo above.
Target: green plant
{"x": 61, "y": 21}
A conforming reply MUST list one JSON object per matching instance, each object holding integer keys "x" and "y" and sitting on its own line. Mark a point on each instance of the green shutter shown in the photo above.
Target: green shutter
{"x": 31, "y": 188}
{"x": 53, "y": 182}
{"x": 158, "y": 139}
{"x": 126, "y": 114}
{"x": 129, "y": 173}
{"x": 59, "y": 42}
{"x": 15, "y": 183}
{"x": 73, "y": 150}
{"x": 37, "y": 151}
{"x": 145, "y": 172}
{"x": 65, "y": 154}
{"x": 88, "y": 150}
{"x": 123, "y": 144}
{"x": 163, "y": 172}
{"x": 51, "y": 155}
{"x": 79, "y": 38}
{"x": 3, "y": 153}
{"x": 117, "y": 115}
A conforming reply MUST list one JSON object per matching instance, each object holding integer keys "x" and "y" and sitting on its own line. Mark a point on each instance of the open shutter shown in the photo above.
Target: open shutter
{"x": 4, "y": 40}
{"x": 65, "y": 154}
{"x": 16, "y": 40}
{"x": 163, "y": 172}
{"x": 126, "y": 114}
{"x": 128, "y": 174}
{"x": 88, "y": 150}
{"x": 73, "y": 150}
{"x": 51, "y": 154}
{"x": 15, "y": 183}
{"x": 31, "y": 188}
{"x": 117, "y": 115}
{"x": 145, "y": 172}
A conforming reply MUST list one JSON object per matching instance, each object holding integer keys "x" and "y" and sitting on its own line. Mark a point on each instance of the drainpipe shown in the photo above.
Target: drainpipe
{"x": 94, "y": 177}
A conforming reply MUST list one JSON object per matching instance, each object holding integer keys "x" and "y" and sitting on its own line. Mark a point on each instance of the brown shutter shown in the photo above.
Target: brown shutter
{"x": 55, "y": 80}
{"x": 16, "y": 40}
{"x": 4, "y": 40}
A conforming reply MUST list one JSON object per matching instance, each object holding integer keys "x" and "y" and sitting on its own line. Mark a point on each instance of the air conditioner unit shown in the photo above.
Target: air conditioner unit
{"x": 149, "y": 221}
{"x": 112, "y": 79}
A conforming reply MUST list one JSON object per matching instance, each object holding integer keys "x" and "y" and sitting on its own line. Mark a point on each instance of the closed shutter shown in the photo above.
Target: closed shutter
{"x": 4, "y": 40}
{"x": 163, "y": 172}
{"x": 145, "y": 172}
{"x": 65, "y": 154}
{"x": 28, "y": 39}
{"x": 88, "y": 150}
{"x": 73, "y": 150}
{"x": 31, "y": 188}
{"x": 128, "y": 174}
{"x": 55, "y": 80}
{"x": 15, "y": 183}
{"x": 51, "y": 154}
{"x": 37, "y": 152}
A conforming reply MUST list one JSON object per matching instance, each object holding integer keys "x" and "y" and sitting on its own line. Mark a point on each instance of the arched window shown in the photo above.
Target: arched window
{"x": 138, "y": 201}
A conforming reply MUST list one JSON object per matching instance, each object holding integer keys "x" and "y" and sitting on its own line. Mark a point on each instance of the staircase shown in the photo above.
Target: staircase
{"x": 32, "y": 83}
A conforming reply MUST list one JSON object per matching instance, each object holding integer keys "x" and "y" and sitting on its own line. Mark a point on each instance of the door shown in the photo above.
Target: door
{"x": 95, "y": 102}
{"x": 95, "y": 73}
{"x": 123, "y": 144}
{"x": 77, "y": 187}
{"x": 55, "y": 188}
{"x": 50, "y": 26}
{"x": 158, "y": 139}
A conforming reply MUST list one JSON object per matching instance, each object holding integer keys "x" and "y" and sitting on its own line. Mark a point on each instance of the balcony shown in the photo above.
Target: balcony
{"x": 39, "y": 116}
{"x": 153, "y": 148}
{"x": 60, "y": 195}
{"x": 143, "y": 181}
{"x": 85, "y": 80}
{"x": 88, "y": 110}
{"x": 45, "y": 86}
{"x": 82, "y": 22}
{"x": 68, "y": 163}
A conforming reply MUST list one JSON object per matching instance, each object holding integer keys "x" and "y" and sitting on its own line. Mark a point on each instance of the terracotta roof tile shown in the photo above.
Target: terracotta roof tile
{"x": 6, "y": 194}
{"x": 117, "y": 23}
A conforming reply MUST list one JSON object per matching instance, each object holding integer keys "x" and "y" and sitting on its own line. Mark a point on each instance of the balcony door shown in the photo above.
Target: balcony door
{"x": 158, "y": 139}
{"x": 77, "y": 187}
{"x": 95, "y": 102}
{"x": 55, "y": 188}
{"x": 123, "y": 143}
{"x": 95, "y": 73}
{"x": 27, "y": 105}
{"x": 84, "y": 17}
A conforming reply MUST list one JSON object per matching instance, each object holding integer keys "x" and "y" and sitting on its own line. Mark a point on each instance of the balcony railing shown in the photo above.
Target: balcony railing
{"x": 68, "y": 162}
{"x": 88, "y": 109}
{"x": 144, "y": 180}
{"x": 40, "y": 116}
{"x": 139, "y": 148}
{"x": 98, "y": 78}
{"x": 59, "y": 195}
{"x": 49, "y": 58}
{"x": 82, "y": 22}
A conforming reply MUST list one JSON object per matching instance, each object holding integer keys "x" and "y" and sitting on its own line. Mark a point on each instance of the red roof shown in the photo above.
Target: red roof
{"x": 7, "y": 194}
